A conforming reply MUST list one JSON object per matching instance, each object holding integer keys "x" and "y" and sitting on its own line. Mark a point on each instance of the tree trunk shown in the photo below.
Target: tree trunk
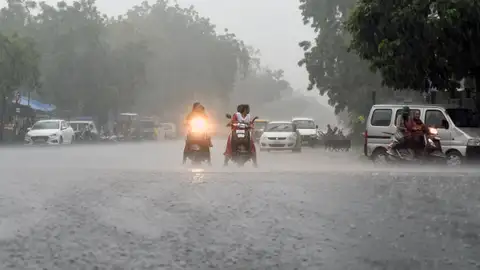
{"x": 433, "y": 97}
{"x": 2, "y": 116}
{"x": 477, "y": 90}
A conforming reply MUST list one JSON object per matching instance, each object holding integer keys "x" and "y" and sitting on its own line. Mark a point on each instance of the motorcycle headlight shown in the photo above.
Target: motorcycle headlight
{"x": 473, "y": 142}
{"x": 433, "y": 131}
{"x": 198, "y": 125}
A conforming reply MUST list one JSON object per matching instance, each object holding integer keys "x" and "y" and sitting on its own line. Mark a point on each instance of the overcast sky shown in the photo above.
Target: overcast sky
{"x": 273, "y": 26}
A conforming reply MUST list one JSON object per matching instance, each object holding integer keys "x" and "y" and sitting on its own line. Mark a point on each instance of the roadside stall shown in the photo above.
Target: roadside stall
{"x": 22, "y": 114}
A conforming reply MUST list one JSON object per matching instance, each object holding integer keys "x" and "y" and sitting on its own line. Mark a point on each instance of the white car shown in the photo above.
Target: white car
{"x": 50, "y": 132}
{"x": 280, "y": 135}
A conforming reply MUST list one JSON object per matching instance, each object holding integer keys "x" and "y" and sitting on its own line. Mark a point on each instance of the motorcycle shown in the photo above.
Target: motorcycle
{"x": 429, "y": 150}
{"x": 241, "y": 138}
{"x": 198, "y": 141}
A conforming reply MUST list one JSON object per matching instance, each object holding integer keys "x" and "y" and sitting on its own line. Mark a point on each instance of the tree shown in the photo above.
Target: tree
{"x": 18, "y": 67}
{"x": 341, "y": 75}
{"x": 156, "y": 59}
{"x": 411, "y": 43}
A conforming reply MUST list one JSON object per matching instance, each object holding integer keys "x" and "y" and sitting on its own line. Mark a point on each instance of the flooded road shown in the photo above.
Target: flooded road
{"x": 134, "y": 206}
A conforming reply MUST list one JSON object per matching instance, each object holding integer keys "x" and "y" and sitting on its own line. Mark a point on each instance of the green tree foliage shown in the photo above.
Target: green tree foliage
{"x": 411, "y": 41}
{"x": 18, "y": 67}
{"x": 341, "y": 75}
{"x": 156, "y": 58}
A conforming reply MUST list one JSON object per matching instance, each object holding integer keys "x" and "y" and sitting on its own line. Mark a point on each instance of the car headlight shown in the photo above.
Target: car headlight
{"x": 54, "y": 135}
{"x": 473, "y": 142}
{"x": 292, "y": 137}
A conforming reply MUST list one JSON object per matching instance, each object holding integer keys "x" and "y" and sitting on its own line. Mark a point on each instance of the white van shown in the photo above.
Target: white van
{"x": 307, "y": 129}
{"x": 458, "y": 130}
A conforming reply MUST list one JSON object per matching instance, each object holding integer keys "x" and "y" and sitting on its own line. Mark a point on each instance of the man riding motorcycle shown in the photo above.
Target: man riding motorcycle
{"x": 404, "y": 126}
{"x": 198, "y": 110}
{"x": 242, "y": 115}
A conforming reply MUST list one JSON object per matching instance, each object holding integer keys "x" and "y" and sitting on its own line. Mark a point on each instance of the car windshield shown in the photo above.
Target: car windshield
{"x": 260, "y": 125}
{"x": 304, "y": 124}
{"x": 148, "y": 124}
{"x": 463, "y": 118}
{"x": 46, "y": 125}
{"x": 279, "y": 127}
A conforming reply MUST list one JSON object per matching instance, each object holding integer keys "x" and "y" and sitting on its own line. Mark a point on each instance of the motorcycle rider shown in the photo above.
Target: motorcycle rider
{"x": 242, "y": 115}
{"x": 198, "y": 110}
{"x": 404, "y": 126}
{"x": 419, "y": 129}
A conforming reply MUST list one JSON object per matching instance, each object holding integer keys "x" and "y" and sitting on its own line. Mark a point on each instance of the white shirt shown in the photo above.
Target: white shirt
{"x": 247, "y": 118}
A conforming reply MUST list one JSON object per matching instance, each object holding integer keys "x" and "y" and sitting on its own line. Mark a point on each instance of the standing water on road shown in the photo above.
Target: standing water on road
{"x": 134, "y": 207}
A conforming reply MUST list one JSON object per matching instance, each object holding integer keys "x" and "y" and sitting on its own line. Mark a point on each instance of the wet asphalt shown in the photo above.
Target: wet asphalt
{"x": 134, "y": 206}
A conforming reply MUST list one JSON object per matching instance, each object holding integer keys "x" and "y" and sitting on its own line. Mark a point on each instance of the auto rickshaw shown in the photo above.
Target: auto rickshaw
{"x": 259, "y": 127}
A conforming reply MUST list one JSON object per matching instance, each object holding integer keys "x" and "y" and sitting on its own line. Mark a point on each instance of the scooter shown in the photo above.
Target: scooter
{"x": 198, "y": 142}
{"x": 241, "y": 138}
{"x": 431, "y": 153}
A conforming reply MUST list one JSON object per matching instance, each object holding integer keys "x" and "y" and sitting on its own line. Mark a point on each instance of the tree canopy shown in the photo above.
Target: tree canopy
{"x": 18, "y": 63}
{"x": 156, "y": 58}
{"x": 411, "y": 42}
{"x": 334, "y": 71}
{"x": 18, "y": 67}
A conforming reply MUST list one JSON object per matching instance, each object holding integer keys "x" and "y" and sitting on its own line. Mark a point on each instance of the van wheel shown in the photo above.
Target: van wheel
{"x": 454, "y": 158}
{"x": 380, "y": 156}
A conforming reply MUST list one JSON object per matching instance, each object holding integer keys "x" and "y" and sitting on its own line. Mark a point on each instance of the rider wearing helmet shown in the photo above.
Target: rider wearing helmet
{"x": 198, "y": 110}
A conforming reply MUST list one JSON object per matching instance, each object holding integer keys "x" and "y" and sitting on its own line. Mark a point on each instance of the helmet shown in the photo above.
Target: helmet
{"x": 406, "y": 110}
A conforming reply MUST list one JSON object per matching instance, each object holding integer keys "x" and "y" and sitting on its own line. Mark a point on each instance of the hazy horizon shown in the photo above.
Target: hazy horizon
{"x": 276, "y": 34}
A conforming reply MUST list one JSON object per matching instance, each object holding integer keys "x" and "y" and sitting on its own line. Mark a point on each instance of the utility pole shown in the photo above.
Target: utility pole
{"x": 2, "y": 114}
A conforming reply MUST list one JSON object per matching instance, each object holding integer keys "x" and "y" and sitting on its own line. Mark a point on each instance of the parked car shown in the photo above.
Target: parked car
{"x": 457, "y": 127}
{"x": 50, "y": 132}
{"x": 280, "y": 135}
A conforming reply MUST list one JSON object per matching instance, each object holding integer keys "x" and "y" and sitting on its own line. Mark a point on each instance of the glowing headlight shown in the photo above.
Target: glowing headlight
{"x": 433, "y": 131}
{"x": 198, "y": 125}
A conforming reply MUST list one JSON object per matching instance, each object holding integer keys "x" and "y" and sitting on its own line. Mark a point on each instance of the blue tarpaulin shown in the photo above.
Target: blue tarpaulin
{"x": 36, "y": 105}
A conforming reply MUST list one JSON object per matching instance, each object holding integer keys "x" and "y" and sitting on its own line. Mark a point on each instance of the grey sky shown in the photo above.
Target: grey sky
{"x": 273, "y": 26}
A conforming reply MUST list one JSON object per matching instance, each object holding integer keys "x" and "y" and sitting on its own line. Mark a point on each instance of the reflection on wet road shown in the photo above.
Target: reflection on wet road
{"x": 136, "y": 207}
